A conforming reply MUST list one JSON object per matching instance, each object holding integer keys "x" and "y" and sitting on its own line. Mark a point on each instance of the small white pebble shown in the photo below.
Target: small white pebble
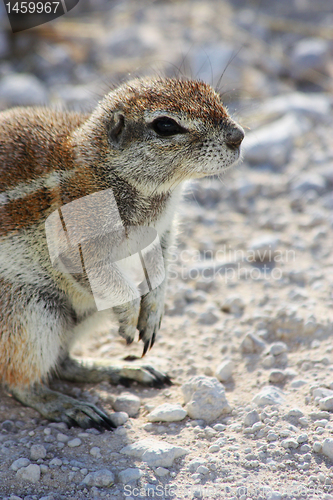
{"x": 74, "y": 443}
{"x": 95, "y": 452}
{"x": 302, "y": 438}
{"x": 316, "y": 447}
{"x": 289, "y": 443}
{"x": 43, "y": 468}
{"x": 62, "y": 438}
{"x": 30, "y": 473}
{"x": 214, "y": 448}
{"x": 56, "y": 462}
{"x": 224, "y": 370}
{"x": 202, "y": 470}
{"x": 37, "y": 451}
{"x": 119, "y": 418}
{"x": 19, "y": 463}
{"x": 161, "y": 472}
{"x": 278, "y": 348}
{"x": 219, "y": 427}
{"x": 304, "y": 422}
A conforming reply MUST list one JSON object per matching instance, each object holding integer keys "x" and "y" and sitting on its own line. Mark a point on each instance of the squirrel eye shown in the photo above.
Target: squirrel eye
{"x": 166, "y": 126}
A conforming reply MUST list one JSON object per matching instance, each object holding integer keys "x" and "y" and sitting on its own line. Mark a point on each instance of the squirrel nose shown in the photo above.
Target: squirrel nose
{"x": 234, "y": 137}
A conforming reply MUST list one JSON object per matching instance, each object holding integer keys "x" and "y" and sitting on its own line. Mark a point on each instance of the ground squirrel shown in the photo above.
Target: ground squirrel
{"x": 143, "y": 139}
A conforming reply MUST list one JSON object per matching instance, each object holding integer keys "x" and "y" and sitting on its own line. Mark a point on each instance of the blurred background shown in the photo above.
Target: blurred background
{"x": 250, "y": 50}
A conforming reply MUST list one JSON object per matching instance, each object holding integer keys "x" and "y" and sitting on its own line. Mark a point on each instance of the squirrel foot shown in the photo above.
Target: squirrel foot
{"x": 58, "y": 407}
{"x": 97, "y": 370}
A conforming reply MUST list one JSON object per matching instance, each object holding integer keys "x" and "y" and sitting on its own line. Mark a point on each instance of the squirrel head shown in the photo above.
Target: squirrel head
{"x": 158, "y": 132}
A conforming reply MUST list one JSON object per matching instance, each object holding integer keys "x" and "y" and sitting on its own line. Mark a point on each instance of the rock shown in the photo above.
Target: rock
{"x": 219, "y": 427}
{"x": 289, "y": 443}
{"x": 208, "y": 318}
{"x": 208, "y": 371}
{"x": 204, "y": 398}
{"x": 128, "y": 475}
{"x": 272, "y": 436}
{"x": 322, "y": 392}
{"x": 95, "y": 451}
{"x": 37, "y": 451}
{"x": 8, "y": 425}
{"x": 273, "y": 143}
{"x": 251, "y": 418}
{"x": 263, "y": 249}
{"x": 119, "y": 418}
{"x": 277, "y": 377}
{"x": 269, "y": 396}
{"x": 167, "y": 413}
{"x": 19, "y": 463}
{"x": 320, "y": 423}
{"x": 214, "y": 448}
{"x": 154, "y": 453}
{"x": 129, "y": 42}
{"x": 30, "y": 473}
{"x": 326, "y": 403}
{"x": 308, "y": 55}
{"x": 62, "y": 437}
{"x": 296, "y": 384}
{"x": 278, "y": 348}
{"x": 101, "y": 478}
{"x": 309, "y": 181}
{"x": 56, "y": 462}
{"x": 195, "y": 463}
{"x": 306, "y": 105}
{"x": 268, "y": 361}
{"x": 233, "y": 304}
{"x": 302, "y": 438}
{"x": 202, "y": 470}
{"x": 317, "y": 447}
{"x": 224, "y": 370}
{"x": 275, "y": 495}
{"x": 295, "y": 413}
{"x": 252, "y": 344}
{"x": 327, "y": 448}
{"x": 128, "y": 403}
{"x": 73, "y": 443}
{"x": 22, "y": 90}
{"x": 246, "y": 189}
{"x": 304, "y": 422}
{"x": 161, "y": 472}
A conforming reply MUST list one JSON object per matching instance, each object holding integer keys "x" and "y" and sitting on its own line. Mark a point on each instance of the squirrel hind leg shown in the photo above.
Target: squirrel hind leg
{"x": 118, "y": 372}
{"x": 58, "y": 407}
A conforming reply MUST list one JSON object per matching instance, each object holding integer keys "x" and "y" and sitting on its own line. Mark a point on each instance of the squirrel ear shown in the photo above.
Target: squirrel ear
{"x": 116, "y": 128}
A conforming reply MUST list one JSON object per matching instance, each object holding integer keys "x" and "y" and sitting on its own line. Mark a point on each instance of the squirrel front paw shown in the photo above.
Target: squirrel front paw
{"x": 151, "y": 313}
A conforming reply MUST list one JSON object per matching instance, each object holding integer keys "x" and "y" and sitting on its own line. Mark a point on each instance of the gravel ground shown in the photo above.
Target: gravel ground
{"x": 247, "y": 332}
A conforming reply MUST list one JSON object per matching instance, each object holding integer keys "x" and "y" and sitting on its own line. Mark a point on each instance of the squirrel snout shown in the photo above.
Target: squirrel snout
{"x": 234, "y": 137}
